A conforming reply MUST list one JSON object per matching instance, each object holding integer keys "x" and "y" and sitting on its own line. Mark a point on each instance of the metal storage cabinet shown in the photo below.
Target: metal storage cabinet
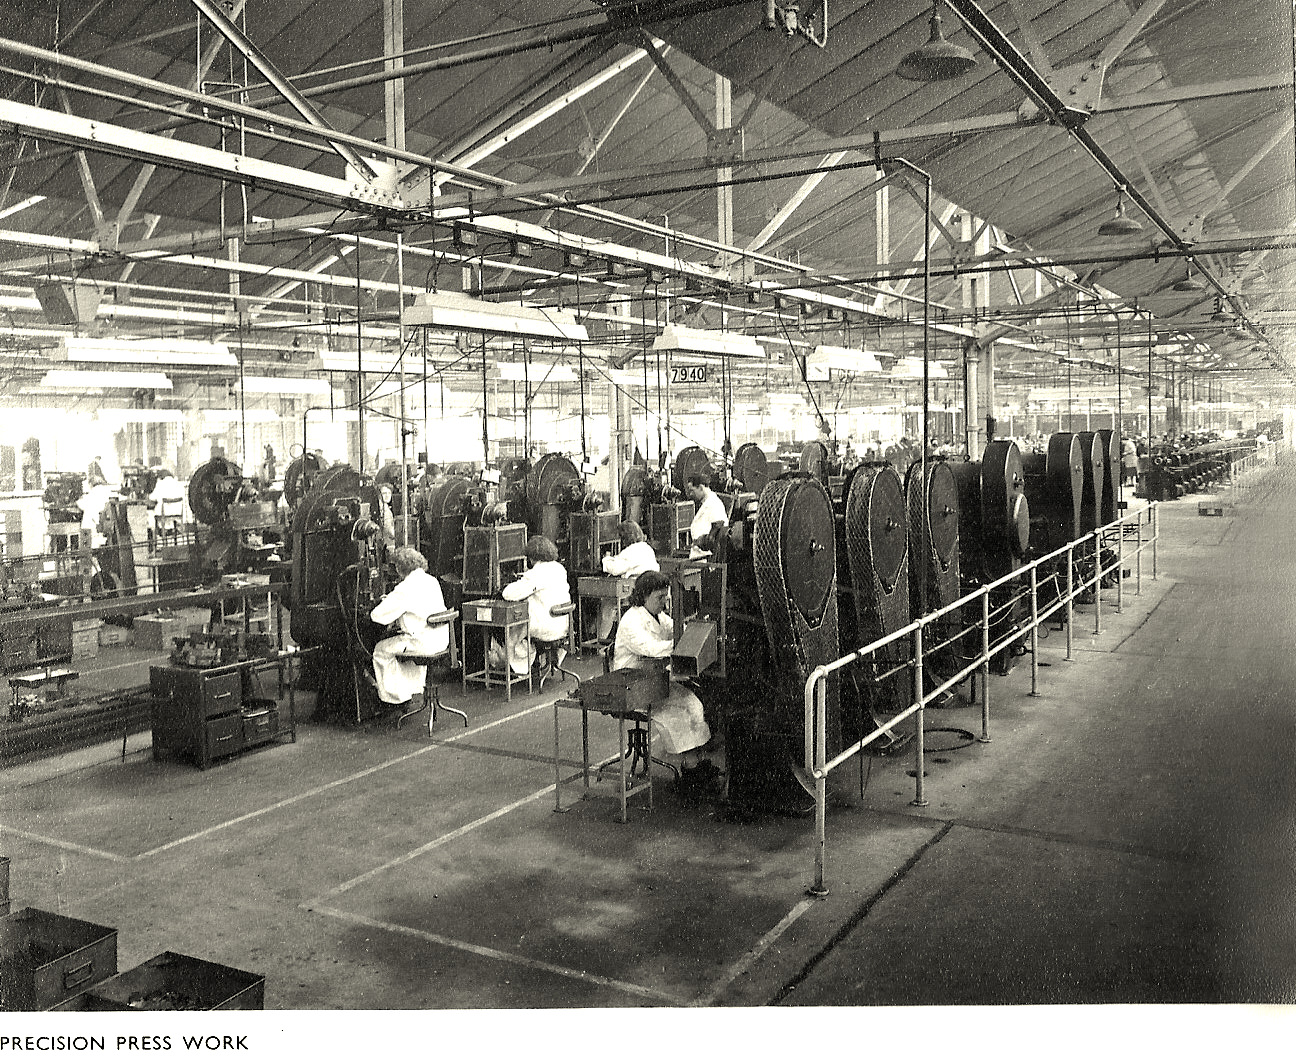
{"x": 196, "y": 712}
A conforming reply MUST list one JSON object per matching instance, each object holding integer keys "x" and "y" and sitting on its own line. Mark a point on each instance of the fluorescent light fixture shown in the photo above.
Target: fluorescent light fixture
{"x": 375, "y": 361}
{"x": 107, "y": 380}
{"x": 452, "y": 311}
{"x": 140, "y": 415}
{"x": 233, "y": 415}
{"x": 842, "y": 359}
{"x": 535, "y": 374}
{"x": 271, "y": 384}
{"x": 176, "y": 351}
{"x": 912, "y": 368}
{"x": 680, "y": 339}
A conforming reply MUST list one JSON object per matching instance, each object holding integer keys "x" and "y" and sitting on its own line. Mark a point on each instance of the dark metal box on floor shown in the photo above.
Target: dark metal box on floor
{"x": 171, "y": 981}
{"x": 46, "y": 958}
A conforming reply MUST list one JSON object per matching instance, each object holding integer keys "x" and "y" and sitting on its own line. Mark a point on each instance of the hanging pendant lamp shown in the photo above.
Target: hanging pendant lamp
{"x": 938, "y": 59}
{"x": 1120, "y": 224}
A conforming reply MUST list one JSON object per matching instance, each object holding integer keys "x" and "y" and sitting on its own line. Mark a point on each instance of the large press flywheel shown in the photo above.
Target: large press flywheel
{"x": 751, "y": 467}
{"x": 692, "y": 460}
{"x": 794, "y": 560}
{"x": 933, "y": 508}
{"x": 212, "y": 488}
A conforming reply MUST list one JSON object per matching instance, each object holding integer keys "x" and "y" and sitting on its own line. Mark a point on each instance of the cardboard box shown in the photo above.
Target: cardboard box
{"x": 157, "y": 631}
{"x": 85, "y": 644}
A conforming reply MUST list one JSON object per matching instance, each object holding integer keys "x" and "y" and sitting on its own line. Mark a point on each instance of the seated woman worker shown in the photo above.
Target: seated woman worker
{"x": 636, "y": 556}
{"x": 645, "y": 639}
{"x": 543, "y": 586}
{"x": 407, "y": 606}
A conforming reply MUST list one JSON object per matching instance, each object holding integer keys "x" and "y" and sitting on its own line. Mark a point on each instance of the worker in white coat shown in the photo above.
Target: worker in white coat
{"x": 544, "y": 586}
{"x": 645, "y": 639}
{"x": 408, "y": 606}
{"x": 710, "y": 509}
{"x": 636, "y": 556}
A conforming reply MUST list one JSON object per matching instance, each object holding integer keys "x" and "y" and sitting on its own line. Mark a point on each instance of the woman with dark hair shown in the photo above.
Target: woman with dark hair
{"x": 636, "y": 554}
{"x": 407, "y": 606}
{"x": 543, "y": 586}
{"x": 645, "y": 639}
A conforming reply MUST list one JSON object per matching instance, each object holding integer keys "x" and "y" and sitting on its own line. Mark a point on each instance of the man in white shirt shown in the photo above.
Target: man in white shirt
{"x": 709, "y": 510}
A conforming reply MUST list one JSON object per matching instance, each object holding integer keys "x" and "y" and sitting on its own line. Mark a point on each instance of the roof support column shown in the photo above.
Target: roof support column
{"x": 394, "y": 87}
{"x": 724, "y": 190}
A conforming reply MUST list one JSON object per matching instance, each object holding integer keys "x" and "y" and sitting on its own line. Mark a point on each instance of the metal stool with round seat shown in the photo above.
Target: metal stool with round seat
{"x": 431, "y": 687}
{"x": 548, "y": 652}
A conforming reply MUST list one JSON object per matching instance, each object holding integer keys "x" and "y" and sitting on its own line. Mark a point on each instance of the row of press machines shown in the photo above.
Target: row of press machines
{"x": 813, "y": 564}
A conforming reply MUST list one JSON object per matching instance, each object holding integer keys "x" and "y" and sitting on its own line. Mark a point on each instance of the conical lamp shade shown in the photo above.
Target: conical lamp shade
{"x": 1120, "y": 224}
{"x": 937, "y": 60}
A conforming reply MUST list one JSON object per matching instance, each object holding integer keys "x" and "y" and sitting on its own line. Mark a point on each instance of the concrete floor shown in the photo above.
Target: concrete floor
{"x": 1126, "y": 837}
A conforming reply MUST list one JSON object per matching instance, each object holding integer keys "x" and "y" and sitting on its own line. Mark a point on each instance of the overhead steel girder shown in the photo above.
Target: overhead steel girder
{"x": 1089, "y": 255}
{"x": 205, "y": 161}
{"x": 1037, "y": 88}
{"x": 869, "y": 142}
{"x": 229, "y": 29}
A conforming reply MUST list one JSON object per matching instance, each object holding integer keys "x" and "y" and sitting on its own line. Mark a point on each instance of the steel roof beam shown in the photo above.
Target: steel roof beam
{"x": 193, "y": 158}
{"x": 229, "y": 29}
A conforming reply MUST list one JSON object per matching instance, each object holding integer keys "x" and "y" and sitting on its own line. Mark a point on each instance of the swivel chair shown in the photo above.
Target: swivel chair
{"x": 431, "y": 686}
{"x": 548, "y": 652}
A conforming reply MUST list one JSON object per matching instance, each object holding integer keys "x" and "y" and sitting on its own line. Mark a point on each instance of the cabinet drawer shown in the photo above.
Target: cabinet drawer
{"x": 224, "y": 735}
{"x": 260, "y": 727}
{"x": 221, "y": 694}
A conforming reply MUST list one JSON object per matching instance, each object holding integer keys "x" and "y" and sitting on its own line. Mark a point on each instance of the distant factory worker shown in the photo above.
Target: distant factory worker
{"x": 407, "y": 606}
{"x": 92, "y": 504}
{"x": 710, "y": 510}
{"x": 635, "y": 557}
{"x": 94, "y": 474}
{"x": 636, "y": 554}
{"x": 388, "y": 520}
{"x": 1129, "y": 460}
{"x": 543, "y": 586}
{"x": 645, "y": 639}
{"x": 168, "y": 489}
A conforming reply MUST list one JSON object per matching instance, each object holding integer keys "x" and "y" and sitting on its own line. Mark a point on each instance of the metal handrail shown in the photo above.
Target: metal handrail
{"x": 818, "y": 767}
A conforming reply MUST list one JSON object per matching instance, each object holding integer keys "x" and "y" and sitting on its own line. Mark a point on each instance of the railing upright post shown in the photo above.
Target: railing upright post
{"x": 1034, "y": 630}
{"x": 1097, "y": 585}
{"x": 1138, "y": 559}
{"x": 920, "y": 795}
{"x": 820, "y": 758}
{"x": 985, "y": 667}
{"x": 1070, "y": 601}
{"x": 1156, "y": 532}
{"x": 1120, "y": 568}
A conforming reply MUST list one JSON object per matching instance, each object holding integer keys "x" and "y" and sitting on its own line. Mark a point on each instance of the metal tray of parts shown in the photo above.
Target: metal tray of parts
{"x": 171, "y": 981}
{"x": 46, "y": 958}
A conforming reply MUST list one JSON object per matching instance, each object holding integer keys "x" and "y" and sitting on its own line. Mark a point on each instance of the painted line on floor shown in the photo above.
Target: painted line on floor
{"x": 506, "y": 957}
{"x": 496, "y": 723}
{"x": 442, "y": 840}
{"x": 74, "y": 847}
{"x": 326, "y": 787}
{"x": 749, "y": 959}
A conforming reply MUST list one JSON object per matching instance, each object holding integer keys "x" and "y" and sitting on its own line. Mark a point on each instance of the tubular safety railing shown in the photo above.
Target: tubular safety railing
{"x": 976, "y": 629}
{"x": 1245, "y": 474}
